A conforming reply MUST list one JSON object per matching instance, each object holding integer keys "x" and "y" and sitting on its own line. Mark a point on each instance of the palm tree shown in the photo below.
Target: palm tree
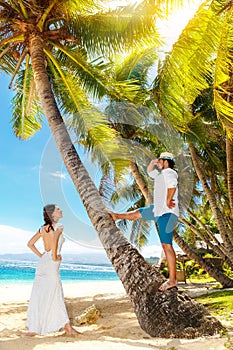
{"x": 48, "y": 44}
{"x": 130, "y": 121}
{"x": 189, "y": 72}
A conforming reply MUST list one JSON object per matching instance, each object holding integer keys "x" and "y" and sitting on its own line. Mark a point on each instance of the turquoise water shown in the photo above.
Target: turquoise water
{"x": 17, "y": 271}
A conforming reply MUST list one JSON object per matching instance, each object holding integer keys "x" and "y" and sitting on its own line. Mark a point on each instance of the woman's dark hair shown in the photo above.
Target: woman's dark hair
{"x": 48, "y": 212}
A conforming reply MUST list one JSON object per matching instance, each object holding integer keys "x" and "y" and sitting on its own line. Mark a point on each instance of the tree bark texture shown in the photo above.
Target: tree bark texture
{"x": 169, "y": 314}
{"x": 141, "y": 183}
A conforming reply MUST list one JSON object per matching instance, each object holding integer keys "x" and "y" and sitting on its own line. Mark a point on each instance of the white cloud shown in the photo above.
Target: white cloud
{"x": 14, "y": 241}
{"x": 151, "y": 250}
{"x": 58, "y": 174}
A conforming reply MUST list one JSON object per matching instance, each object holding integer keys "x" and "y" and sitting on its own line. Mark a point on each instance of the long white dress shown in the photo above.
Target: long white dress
{"x": 46, "y": 310}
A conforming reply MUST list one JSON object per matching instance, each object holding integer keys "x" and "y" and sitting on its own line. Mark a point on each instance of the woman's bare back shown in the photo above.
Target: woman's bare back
{"x": 48, "y": 237}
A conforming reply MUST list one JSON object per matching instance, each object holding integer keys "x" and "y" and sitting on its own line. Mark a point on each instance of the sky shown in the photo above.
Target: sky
{"x": 32, "y": 174}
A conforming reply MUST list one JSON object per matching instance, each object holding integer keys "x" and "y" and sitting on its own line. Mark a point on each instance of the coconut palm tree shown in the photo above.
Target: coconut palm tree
{"x": 200, "y": 62}
{"x": 131, "y": 122}
{"x": 48, "y": 44}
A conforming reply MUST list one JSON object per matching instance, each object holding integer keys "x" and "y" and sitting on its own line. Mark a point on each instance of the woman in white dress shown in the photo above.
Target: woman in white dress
{"x": 46, "y": 311}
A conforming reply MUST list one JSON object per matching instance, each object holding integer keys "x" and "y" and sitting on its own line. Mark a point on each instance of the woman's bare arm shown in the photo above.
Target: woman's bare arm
{"x": 31, "y": 244}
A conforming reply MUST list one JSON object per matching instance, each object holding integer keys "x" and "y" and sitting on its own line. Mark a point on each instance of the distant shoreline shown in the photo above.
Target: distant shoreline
{"x": 85, "y": 259}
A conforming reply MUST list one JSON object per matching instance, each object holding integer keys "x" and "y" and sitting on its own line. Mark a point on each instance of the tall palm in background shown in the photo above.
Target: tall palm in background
{"x": 198, "y": 74}
{"x": 53, "y": 48}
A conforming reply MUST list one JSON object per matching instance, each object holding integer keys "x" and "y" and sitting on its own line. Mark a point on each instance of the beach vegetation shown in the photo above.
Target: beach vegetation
{"x": 219, "y": 304}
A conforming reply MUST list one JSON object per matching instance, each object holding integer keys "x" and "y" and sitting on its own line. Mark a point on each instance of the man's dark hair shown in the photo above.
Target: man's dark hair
{"x": 170, "y": 162}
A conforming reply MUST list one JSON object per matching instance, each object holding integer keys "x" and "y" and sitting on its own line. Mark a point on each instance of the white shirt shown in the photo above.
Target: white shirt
{"x": 167, "y": 178}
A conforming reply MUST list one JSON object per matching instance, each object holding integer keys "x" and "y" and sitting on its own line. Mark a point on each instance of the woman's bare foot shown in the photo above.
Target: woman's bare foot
{"x": 168, "y": 285}
{"x": 69, "y": 330}
{"x": 30, "y": 334}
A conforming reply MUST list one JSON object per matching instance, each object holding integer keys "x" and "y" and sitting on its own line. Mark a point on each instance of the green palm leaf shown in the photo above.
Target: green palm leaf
{"x": 94, "y": 77}
{"x": 90, "y": 126}
{"x": 117, "y": 30}
{"x": 140, "y": 232}
{"x": 223, "y": 74}
{"x": 188, "y": 68}
{"x": 27, "y": 112}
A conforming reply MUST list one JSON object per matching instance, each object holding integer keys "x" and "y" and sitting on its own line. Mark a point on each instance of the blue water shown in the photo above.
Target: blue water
{"x": 17, "y": 271}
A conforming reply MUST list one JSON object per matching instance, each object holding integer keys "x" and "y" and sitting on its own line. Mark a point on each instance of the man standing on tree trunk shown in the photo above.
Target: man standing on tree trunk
{"x": 164, "y": 211}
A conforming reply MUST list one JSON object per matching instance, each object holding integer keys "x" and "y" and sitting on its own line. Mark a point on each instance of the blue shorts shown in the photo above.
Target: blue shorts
{"x": 165, "y": 222}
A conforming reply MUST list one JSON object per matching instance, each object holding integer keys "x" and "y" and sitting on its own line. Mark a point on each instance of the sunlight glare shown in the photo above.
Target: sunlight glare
{"x": 118, "y": 3}
{"x": 171, "y": 28}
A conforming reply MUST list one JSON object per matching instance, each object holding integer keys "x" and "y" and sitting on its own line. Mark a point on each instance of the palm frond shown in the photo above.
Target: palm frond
{"x": 223, "y": 78}
{"x": 140, "y": 232}
{"x": 136, "y": 66}
{"x": 168, "y": 6}
{"x": 188, "y": 68}
{"x": 90, "y": 77}
{"x": 7, "y": 61}
{"x": 23, "y": 8}
{"x": 117, "y": 31}
{"x": 95, "y": 77}
{"x": 90, "y": 126}
{"x": 76, "y": 7}
{"x": 27, "y": 112}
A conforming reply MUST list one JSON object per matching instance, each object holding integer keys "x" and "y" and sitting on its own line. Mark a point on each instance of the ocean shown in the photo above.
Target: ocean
{"x": 23, "y": 272}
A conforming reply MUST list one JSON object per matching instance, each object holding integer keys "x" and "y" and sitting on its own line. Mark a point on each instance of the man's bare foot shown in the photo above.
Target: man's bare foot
{"x": 113, "y": 215}
{"x": 167, "y": 285}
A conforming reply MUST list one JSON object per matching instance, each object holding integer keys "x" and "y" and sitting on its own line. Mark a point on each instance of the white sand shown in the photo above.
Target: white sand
{"x": 116, "y": 329}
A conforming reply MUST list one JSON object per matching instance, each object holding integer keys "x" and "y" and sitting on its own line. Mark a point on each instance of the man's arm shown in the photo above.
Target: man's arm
{"x": 170, "y": 193}
{"x": 152, "y": 165}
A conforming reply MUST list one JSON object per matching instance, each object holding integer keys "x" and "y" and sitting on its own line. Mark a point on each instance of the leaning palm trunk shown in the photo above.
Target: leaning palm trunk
{"x": 141, "y": 183}
{"x": 212, "y": 271}
{"x": 215, "y": 248}
{"x": 169, "y": 314}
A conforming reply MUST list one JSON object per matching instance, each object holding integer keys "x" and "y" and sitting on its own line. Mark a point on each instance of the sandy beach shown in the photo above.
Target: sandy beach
{"x": 116, "y": 328}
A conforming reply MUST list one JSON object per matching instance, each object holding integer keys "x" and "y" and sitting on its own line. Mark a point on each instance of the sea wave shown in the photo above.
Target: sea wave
{"x": 24, "y": 271}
